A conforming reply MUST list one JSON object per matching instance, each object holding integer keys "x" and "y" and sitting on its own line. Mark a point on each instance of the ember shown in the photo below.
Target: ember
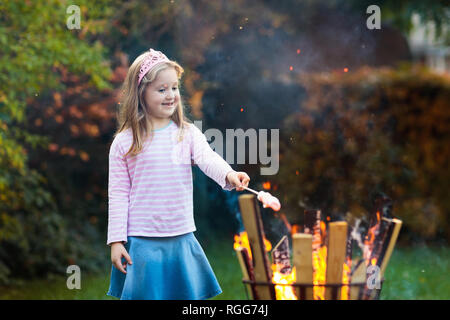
{"x": 266, "y": 185}
{"x": 322, "y": 256}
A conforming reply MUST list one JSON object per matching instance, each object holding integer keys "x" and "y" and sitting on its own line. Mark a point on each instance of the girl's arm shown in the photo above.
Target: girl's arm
{"x": 213, "y": 165}
{"x": 119, "y": 186}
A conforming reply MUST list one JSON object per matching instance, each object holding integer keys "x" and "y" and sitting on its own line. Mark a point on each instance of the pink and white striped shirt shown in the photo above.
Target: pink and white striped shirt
{"x": 151, "y": 194}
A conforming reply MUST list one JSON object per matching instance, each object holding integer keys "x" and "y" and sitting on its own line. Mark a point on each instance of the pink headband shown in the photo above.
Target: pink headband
{"x": 154, "y": 57}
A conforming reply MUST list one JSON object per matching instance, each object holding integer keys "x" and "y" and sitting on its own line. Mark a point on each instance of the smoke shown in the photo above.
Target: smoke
{"x": 356, "y": 235}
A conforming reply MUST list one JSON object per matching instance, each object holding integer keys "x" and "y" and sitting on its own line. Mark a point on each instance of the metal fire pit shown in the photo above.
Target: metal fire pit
{"x": 363, "y": 294}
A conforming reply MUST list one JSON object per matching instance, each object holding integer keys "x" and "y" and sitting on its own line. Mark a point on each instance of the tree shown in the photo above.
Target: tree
{"x": 36, "y": 51}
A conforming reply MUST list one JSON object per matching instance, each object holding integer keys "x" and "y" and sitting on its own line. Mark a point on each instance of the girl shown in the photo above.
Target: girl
{"x": 154, "y": 252}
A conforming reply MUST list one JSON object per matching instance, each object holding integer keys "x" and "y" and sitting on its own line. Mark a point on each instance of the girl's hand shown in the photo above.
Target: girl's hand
{"x": 117, "y": 252}
{"x": 238, "y": 180}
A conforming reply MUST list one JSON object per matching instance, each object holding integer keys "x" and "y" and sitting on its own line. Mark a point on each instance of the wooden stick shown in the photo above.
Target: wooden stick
{"x": 358, "y": 276}
{"x": 390, "y": 246}
{"x": 381, "y": 240}
{"x": 302, "y": 260}
{"x": 247, "y": 273}
{"x": 377, "y": 249}
{"x": 312, "y": 226}
{"x": 251, "y": 218}
{"x": 335, "y": 257}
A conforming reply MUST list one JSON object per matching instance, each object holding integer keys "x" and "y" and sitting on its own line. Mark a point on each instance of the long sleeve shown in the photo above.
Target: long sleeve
{"x": 212, "y": 164}
{"x": 118, "y": 194}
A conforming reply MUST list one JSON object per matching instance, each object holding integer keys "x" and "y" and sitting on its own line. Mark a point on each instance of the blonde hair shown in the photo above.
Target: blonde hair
{"x": 133, "y": 113}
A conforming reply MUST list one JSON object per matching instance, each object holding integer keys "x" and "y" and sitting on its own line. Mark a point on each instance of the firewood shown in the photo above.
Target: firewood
{"x": 251, "y": 218}
{"x": 302, "y": 261}
{"x": 397, "y": 224}
{"x": 312, "y": 221}
{"x": 337, "y": 242}
{"x": 312, "y": 227}
{"x": 381, "y": 240}
{"x": 358, "y": 276}
{"x": 281, "y": 256}
{"x": 386, "y": 243}
{"x": 246, "y": 269}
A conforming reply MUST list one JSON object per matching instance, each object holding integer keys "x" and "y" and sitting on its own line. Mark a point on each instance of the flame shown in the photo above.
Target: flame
{"x": 241, "y": 241}
{"x": 282, "y": 291}
{"x": 267, "y": 244}
{"x": 319, "y": 272}
{"x": 319, "y": 261}
{"x": 346, "y": 279}
{"x": 369, "y": 242}
{"x": 266, "y": 185}
{"x": 283, "y": 282}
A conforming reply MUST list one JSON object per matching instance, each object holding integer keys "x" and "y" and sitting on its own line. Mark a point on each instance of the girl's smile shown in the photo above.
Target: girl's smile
{"x": 169, "y": 104}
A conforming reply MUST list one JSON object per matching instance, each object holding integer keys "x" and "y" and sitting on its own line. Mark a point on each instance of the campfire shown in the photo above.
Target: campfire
{"x": 323, "y": 266}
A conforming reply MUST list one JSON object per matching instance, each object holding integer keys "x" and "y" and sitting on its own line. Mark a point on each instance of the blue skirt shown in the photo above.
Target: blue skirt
{"x": 164, "y": 268}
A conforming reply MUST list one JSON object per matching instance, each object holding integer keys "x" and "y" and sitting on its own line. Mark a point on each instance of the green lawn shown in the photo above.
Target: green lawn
{"x": 416, "y": 273}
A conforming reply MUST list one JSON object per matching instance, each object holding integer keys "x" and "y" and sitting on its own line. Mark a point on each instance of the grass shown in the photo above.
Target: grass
{"x": 413, "y": 273}
{"x": 418, "y": 273}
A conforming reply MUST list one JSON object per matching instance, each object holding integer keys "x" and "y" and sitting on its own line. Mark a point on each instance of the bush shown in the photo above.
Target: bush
{"x": 367, "y": 131}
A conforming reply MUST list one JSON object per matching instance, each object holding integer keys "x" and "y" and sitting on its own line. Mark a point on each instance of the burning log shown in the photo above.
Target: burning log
{"x": 312, "y": 222}
{"x": 251, "y": 218}
{"x": 378, "y": 227}
{"x": 283, "y": 274}
{"x": 382, "y": 255}
{"x": 281, "y": 257}
{"x": 381, "y": 235}
{"x": 302, "y": 260}
{"x": 337, "y": 242}
{"x": 246, "y": 268}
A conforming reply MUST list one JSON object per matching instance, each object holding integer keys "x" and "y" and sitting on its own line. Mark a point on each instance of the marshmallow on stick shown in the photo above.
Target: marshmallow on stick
{"x": 267, "y": 199}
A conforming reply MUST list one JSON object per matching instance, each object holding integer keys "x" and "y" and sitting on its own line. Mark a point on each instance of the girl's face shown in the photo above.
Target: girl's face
{"x": 162, "y": 95}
